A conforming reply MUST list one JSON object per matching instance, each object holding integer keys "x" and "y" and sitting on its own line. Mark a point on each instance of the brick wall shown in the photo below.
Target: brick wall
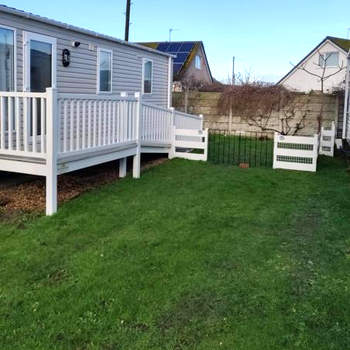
{"x": 206, "y": 103}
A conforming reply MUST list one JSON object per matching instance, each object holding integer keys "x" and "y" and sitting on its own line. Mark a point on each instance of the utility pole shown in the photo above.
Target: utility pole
{"x": 233, "y": 71}
{"x": 127, "y": 19}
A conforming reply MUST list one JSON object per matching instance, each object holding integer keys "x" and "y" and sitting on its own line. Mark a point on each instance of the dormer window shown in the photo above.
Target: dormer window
{"x": 198, "y": 62}
{"x": 329, "y": 59}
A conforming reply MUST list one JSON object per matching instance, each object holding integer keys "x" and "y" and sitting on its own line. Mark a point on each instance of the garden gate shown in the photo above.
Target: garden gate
{"x": 295, "y": 152}
{"x": 187, "y": 140}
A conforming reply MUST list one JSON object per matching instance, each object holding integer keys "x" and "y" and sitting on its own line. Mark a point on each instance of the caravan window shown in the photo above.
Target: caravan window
{"x": 104, "y": 71}
{"x": 147, "y": 76}
{"x": 7, "y": 59}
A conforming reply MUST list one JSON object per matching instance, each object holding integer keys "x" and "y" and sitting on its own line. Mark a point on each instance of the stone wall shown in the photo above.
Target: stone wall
{"x": 206, "y": 103}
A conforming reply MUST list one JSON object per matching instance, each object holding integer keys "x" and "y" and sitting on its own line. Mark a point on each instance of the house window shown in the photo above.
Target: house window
{"x": 7, "y": 59}
{"x": 198, "y": 62}
{"x": 104, "y": 71}
{"x": 147, "y": 76}
{"x": 329, "y": 59}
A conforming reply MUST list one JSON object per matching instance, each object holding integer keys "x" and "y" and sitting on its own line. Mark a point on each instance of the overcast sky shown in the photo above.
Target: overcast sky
{"x": 263, "y": 35}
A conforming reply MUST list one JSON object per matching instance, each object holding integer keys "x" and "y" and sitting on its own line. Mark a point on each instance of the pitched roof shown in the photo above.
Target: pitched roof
{"x": 14, "y": 11}
{"x": 184, "y": 52}
{"x": 343, "y": 44}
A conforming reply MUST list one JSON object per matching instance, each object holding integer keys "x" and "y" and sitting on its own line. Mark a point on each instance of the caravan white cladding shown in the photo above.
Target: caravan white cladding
{"x": 295, "y": 152}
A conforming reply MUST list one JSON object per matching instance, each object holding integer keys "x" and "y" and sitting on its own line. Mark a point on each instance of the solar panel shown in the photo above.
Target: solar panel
{"x": 181, "y": 57}
{"x": 186, "y": 47}
{"x": 163, "y": 47}
{"x": 174, "y": 47}
{"x": 177, "y": 67}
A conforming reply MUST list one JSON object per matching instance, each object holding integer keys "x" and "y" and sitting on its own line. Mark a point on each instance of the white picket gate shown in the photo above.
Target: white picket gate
{"x": 327, "y": 140}
{"x": 187, "y": 140}
{"x": 295, "y": 152}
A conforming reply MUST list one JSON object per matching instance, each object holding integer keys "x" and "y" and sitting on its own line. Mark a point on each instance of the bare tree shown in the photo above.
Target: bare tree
{"x": 190, "y": 84}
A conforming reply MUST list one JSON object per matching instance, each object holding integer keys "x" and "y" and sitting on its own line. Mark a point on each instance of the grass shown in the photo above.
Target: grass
{"x": 191, "y": 256}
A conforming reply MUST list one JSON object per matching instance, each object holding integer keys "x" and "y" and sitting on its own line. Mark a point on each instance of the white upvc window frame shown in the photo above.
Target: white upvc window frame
{"x": 14, "y": 54}
{"x": 144, "y": 61}
{"x": 324, "y": 54}
{"x": 99, "y": 49}
{"x": 27, "y": 37}
{"x": 198, "y": 62}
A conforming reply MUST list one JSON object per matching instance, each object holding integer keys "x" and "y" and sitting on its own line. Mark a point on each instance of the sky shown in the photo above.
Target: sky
{"x": 265, "y": 36}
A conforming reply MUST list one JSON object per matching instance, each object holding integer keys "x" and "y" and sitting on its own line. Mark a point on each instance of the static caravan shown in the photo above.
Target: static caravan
{"x": 71, "y": 98}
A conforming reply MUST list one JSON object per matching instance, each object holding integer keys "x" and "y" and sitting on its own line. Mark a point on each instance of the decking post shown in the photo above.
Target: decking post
{"x": 122, "y": 167}
{"x": 138, "y": 125}
{"x": 52, "y": 149}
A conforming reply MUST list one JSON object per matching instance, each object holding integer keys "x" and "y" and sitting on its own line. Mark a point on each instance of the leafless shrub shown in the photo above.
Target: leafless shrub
{"x": 258, "y": 103}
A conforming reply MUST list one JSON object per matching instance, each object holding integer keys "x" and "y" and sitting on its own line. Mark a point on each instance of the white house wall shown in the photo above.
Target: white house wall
{"x": 81, "y": 75}
{"x": 300, "y": 80}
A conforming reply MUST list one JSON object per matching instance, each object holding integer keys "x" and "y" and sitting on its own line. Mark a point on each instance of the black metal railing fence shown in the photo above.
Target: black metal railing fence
{"x": 245, "y": 149}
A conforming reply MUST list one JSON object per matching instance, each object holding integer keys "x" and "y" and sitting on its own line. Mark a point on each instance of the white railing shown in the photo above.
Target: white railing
{"x": 157, "y": 124}
{"x": 89, "y": 121}
{"x": 188, "y": 121}
{"x": 84, "y": 122}
{"x": 295, "y": 152}
{"x": 327, "y": 141}
{"x": 23, "y": 118}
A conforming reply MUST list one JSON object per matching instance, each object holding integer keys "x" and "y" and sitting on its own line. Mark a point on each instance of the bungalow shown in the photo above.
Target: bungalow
{"x": 190, "y": 60}
{"x": 322, "y": 69}
{"x": 71, "y": 98}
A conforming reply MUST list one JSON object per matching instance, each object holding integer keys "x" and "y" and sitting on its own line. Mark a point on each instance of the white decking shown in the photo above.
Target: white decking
{"x": 49, "y": 133}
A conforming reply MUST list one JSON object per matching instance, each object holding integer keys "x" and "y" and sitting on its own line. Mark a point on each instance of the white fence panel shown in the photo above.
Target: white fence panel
{"x": 185, "y": 140}
{"x": 295, "y": 152}
{"x": 156, "y": 124}
{"x": 327, "y": 141}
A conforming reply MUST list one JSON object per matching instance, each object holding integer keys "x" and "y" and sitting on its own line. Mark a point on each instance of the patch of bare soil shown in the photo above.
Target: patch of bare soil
{"x": 30, "y": 196}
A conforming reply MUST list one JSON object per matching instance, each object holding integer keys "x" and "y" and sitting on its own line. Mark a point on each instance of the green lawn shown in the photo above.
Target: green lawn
{"x": 191, "y": 256}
